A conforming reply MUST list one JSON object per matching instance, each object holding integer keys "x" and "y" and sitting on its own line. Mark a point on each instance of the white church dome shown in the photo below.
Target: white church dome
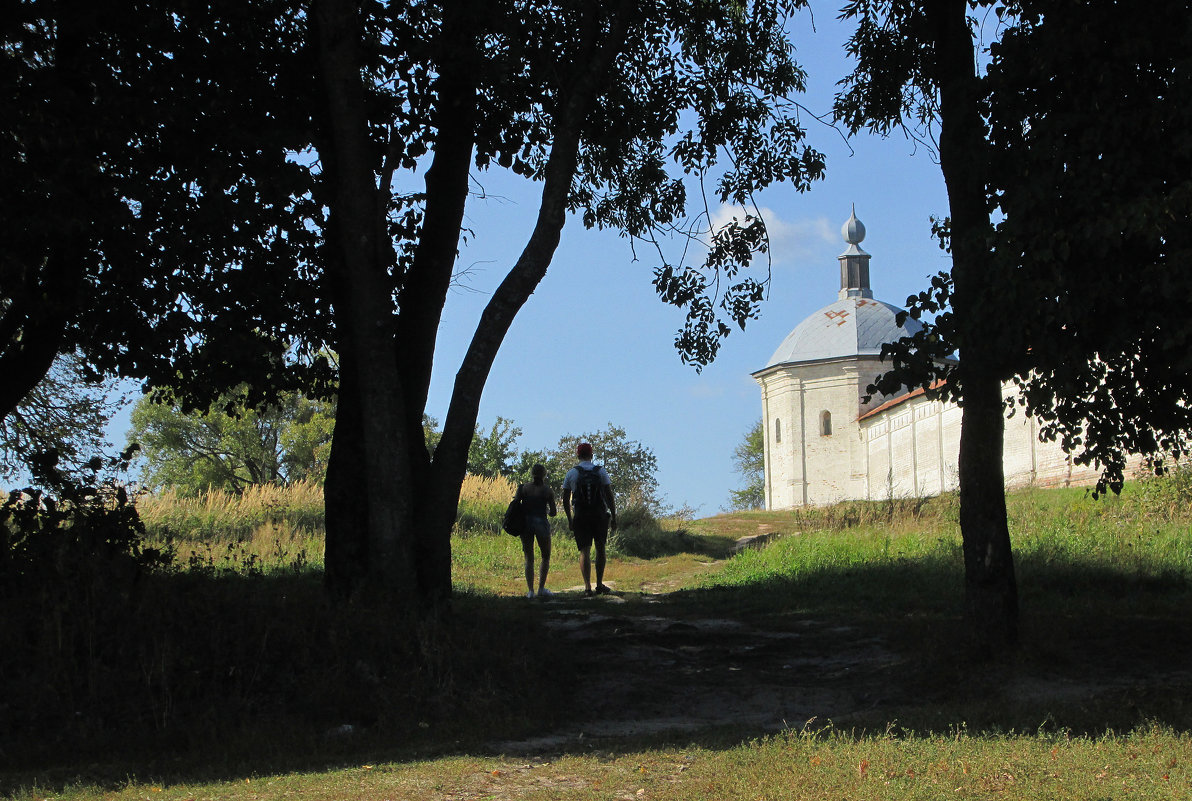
{"x": 852, "y": 326}
{"x": 856, "y": 324}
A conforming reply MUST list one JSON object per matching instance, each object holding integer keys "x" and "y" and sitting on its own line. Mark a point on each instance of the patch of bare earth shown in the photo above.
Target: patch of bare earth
{"x": 651, "y": 674}
{"x": 653, "y": 666}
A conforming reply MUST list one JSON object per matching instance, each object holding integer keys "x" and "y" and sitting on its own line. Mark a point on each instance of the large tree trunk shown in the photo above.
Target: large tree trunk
{"x": 991, "y": 595}
{"x": 364, "y": 308}
{"x": 345, "y": 494}
{"x": 991, "y": 601}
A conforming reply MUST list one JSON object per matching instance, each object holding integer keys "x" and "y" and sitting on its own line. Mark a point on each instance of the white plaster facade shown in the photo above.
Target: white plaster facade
{"x": 823, "y": 444}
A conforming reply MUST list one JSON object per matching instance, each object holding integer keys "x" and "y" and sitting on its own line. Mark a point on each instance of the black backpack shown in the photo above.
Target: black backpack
{"x": 589, "y": 491}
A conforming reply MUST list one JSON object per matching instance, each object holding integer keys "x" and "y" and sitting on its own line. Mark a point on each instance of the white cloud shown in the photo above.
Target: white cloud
{"x": 792, "y": 241}
{"x": 705, "y": 389}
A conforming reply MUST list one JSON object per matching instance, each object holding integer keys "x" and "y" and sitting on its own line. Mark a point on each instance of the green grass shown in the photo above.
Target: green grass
{"x": 1151, "y": 763}
{"x": 230, "y": 676}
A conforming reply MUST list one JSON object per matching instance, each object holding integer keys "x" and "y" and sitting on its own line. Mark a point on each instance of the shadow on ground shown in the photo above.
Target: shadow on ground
{"x": 863, "y": 649}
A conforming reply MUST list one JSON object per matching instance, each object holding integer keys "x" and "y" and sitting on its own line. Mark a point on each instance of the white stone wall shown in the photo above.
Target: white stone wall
{"x": 807, "y": 466}
{"x": 910, "y": 449}
{"x": 913, "y": 450}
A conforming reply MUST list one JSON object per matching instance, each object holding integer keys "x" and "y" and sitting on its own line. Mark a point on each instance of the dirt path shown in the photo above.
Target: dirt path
{"x": 654, "y": 669}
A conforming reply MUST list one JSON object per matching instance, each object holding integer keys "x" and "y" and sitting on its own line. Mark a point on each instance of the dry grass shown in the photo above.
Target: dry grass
{"x": 223, "y": 516}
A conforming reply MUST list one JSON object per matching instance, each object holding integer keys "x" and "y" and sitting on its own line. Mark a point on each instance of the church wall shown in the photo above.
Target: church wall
{"x": 782, "y": 416}
{"x": 914, "y": 448}
{"x": 834, "y": 462}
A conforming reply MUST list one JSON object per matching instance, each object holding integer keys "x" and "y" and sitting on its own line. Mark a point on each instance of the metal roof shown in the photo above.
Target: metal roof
{"x": 854, "y": 326}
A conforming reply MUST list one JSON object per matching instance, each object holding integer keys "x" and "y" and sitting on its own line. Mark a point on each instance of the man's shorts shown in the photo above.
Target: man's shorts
{"x": 589, "y": 529}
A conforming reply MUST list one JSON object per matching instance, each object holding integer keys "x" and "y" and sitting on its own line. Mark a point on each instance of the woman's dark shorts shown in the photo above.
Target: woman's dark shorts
{"x": 589, "y": 529}
{"x": 536, "y": 528}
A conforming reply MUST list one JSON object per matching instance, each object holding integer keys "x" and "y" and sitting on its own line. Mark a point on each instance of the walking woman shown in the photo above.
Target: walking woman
{"x": 537, "y": 499}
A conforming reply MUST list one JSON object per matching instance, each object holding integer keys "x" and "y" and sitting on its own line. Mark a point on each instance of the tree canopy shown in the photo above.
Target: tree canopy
{"x": 229, "y": 446}
{"x": 749, "y": 460}
{"x": 65, "y": 414}
{"x": 153, "y": 218}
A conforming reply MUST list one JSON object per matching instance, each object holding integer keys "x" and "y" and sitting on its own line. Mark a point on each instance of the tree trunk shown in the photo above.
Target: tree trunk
{"x": 991, "y": 599}
{"x": 345, "y": 495}
{"x": 450, "y": 463}
{"x": 364, "y": 310}
{"x": 991, "y": 594}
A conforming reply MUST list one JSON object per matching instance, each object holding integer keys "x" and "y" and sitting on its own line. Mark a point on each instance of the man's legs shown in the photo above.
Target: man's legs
{"x": 582, "y": 529}
{"x": 585, "y": 569}
{"x": 600, "y": 542}
{"x": 600, "y": 539}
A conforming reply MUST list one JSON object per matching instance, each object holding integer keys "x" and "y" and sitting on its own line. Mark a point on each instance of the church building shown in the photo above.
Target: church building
{"x": 824, "y": 443}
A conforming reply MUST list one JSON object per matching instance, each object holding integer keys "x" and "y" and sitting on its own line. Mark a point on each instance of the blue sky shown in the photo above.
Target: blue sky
{"x": 594, "y": 343}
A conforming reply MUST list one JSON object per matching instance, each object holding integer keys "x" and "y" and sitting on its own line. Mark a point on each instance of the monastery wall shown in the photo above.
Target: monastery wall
{"x": 913, "y": 449}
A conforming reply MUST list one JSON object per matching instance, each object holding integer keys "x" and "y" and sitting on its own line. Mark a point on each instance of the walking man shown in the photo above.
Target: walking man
{"x": 595, "y": 511}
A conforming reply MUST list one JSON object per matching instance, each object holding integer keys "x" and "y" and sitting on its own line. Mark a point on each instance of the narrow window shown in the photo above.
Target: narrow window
{"x": 826, "y": 424}
{"x": 777, "y": 430}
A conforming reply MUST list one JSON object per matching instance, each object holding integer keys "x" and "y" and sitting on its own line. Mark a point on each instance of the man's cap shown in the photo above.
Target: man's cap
{"x": 584, "y": 450}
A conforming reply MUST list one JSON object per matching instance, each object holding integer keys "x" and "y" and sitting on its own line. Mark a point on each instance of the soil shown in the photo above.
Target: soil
{"x": 656, "y": 669}
{"x": 656, "y": 666}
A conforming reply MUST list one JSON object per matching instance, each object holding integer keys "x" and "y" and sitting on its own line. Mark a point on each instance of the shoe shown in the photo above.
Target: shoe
{"x": 529, "y": 593}
{"x": 587, "y": 593}
{"x": 545, "y": 593}
{"x": 602, "y": 590}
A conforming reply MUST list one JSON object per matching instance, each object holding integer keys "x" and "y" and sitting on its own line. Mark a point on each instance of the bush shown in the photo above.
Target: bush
{"x": 640, "y": 535}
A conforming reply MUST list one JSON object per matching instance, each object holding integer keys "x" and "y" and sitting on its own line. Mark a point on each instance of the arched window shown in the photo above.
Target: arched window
{"x": 826, "y": 424}
{"x": 777, "y": 430}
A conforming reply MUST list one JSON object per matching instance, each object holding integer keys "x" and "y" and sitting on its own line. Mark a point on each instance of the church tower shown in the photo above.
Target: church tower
{"x": 813, "y": 386}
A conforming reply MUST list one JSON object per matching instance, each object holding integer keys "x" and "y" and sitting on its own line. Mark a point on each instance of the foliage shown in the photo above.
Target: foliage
{"x": 143, "y": 229}
{"x": 1106, "y": 380}
{"x": 492, "y": 454}
{"x": 231, "y": 447}
{"x": 64, "y": 413}
{"x": 749, "y": 460}
{"x": 84, "y": 530}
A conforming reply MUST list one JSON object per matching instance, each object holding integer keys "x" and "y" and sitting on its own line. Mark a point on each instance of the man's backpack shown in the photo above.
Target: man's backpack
{"x": 589, "y": 492}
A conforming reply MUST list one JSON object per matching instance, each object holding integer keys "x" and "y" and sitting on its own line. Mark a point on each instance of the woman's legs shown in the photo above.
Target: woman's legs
{"x": 543, "y": 536}
{"x": 528, "y": 551}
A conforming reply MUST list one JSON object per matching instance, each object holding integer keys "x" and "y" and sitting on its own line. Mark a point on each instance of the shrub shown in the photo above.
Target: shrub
{"x": 640, "y": 535}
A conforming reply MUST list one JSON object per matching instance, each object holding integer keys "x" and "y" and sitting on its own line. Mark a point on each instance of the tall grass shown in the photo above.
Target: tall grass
{"x": 482, "y": 503}
{"x": 222, "y": 516}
